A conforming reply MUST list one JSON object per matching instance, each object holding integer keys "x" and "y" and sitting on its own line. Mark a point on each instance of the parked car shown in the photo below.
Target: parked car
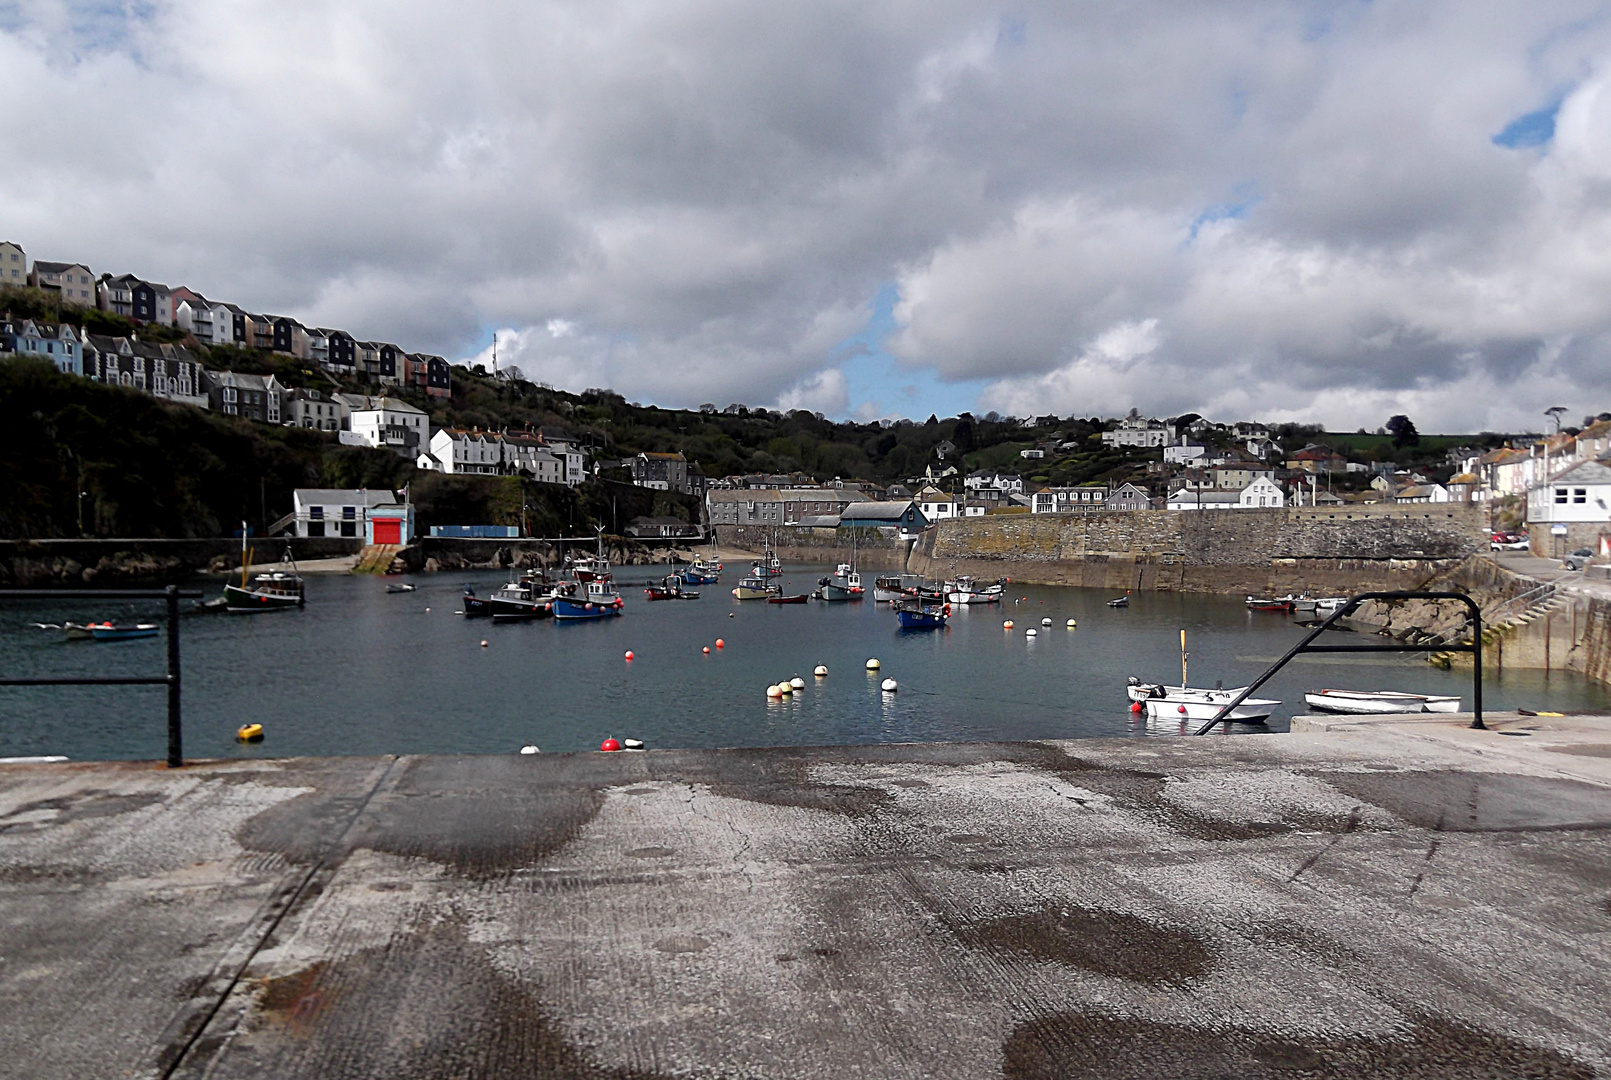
{"x": 1503, "y": 541}
{"x": 1577, "y": 560}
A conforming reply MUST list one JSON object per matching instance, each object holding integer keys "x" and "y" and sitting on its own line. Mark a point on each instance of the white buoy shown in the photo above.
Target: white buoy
{"x": 889, "y": 686}
{"x": 1007, "y": 625}
{"x": 632, "y": 744}
{"x": 774, "y": 691}
{"x": 872, "y": 665}
{"x": 797, "y": 682}
{"x": 1030, "y": 632}
{"x": 1072, "y": 624}
{"x": 1046, "y": 621}
{"x": 822, "y": 670}
{"x": 529, "y": 749}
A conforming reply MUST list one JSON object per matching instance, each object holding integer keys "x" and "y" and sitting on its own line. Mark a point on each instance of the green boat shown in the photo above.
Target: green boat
{"x": 271, "y": 590}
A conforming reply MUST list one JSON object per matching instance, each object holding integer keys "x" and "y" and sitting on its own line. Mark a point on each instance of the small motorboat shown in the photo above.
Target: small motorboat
{"x": 401, "y": 588}
{"x": 844, "y": 584}
{"x": 274, "y": 590}
{"x": 670, "y": 588}
{"x": 1279, "y": 603}
{"x": 107, "y": 631}
{"x": 1137, "y": 690}
{"x": 72, "y": 631}
{"x": 1330, "y": 603}
{"x": 1120, "y": 601}
{"x": 756, "y": 587}
{"x": 518, "y": 600}
{"x": 1380, "y": 702}
{"x": 888, "y": 588}
{"x": 475, "y": 606}
{"x": 1303, "y": 604}
{"x": 794, "y": 598}
{"x": 699, "y": 575}
{"x": 1203, "y": 704}
{"x": 917, "y": 615}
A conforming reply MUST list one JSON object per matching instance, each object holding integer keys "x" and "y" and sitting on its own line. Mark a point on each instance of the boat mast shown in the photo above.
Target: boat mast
{"x": 1183, "y": 655}
{"x": 243, "y": 554}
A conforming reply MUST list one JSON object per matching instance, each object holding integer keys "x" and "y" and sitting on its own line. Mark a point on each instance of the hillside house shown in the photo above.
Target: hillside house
{"x": 72, "y": 282}
{"x": 56, "y": 342}
{"x": 1136, "y": 430}
{"x": 13, "y": 264}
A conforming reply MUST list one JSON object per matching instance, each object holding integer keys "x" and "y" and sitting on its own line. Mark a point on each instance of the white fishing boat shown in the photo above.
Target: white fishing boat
{"x": 1196, "y": 703}
{"x": 1380, "y": 702}
{"x": 1330, "y": 603}
{"x": 843, "y": 584}
{"x": 967, "y": 590}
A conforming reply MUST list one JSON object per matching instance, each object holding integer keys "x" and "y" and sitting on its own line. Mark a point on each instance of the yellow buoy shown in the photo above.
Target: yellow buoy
{"x": 1072, "y": 624}
{"x": 249, "y": 733}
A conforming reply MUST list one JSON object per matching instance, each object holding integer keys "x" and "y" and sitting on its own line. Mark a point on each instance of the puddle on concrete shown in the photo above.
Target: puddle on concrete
{"x": 1104, "y": 1047}
{"x": 650, "y": 853}
{"x": 1480, "y": 802}
{"x": 682, "y": 943}
{"x": 1105, "y": 942}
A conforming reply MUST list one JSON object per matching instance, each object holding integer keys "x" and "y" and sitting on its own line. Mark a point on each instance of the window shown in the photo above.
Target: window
{"x": 316, "y": 512}
{"x": 1560, "y": 495}
{"x": 348, "y": 513}
{"x": 1580, "y": 495}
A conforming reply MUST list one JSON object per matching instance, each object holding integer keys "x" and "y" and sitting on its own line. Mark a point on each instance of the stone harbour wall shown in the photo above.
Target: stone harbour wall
{"x": 1218, "y": 551}
{"x": 26, "y": 564}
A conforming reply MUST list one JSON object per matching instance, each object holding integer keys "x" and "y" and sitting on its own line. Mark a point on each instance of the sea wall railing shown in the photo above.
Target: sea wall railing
{"x": 172, "y": 594}
{"x": 1307, "y": 646}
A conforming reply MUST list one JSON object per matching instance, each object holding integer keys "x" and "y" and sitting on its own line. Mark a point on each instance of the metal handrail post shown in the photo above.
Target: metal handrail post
{"x": 176, "y": 753}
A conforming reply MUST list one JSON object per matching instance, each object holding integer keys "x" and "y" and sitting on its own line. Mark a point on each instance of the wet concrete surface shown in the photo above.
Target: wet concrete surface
{"x": 1363, "y": 899}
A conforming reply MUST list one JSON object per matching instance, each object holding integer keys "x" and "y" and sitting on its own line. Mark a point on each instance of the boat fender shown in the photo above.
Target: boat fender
{"x": 889, "y": 686}
{"x": 530, "y": 748}
{"x": 946, "y": 611}
{"x": 872, "y": 665}
{"x": 610, "y": 745}
{"x": 249, "y": 733}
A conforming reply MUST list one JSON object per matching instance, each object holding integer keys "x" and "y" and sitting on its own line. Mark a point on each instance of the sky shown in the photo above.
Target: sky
{"x": 1326, "y": 212}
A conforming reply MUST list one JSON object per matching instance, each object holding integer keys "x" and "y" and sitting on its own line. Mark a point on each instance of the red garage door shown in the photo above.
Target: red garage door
{"x": 388, "y": 531}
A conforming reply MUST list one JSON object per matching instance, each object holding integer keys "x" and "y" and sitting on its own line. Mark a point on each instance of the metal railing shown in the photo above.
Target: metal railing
{"x": 1475, "y": 648}
{"x": 172, "y": 595}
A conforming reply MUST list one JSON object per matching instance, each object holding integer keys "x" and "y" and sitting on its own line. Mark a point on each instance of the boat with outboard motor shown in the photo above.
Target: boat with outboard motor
{"x": 792, "y": 598}
{"x": 475, "y": 606}
{"x": 523, "y": 598}
{"x": 967, "y": 590}
{"x": 670, "y": 588}
{"x": 1275, "y": 603}
{"x": 843, "y": 584}
{"x": 108, "y": 631}
{"x": 1380, "y": 702}
{"x": 1196, "y": 703}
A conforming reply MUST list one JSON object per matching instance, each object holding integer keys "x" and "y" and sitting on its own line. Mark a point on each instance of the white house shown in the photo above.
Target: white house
{"x": 1263, "y": 491}
{"x": 1179, "y": 453}
{"x": 455, "y": 450}
{"x": 13, "y": 264}
{"x": 1063, "y": 500}
{"x": 1136, "y": 430}
{"x": 936, "y": 505}
{"x": 207, "y": 322}
{"x": 385, "y": 423}
{"x": 1575, "y": 504}
{"x": 1009, "y": 482}
{"x": 307, "y": 408}
{"x": 1423, "y": 493}
{"x": 1200, "y": 498}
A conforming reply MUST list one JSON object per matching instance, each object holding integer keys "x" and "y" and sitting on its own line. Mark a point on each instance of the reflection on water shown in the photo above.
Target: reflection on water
{"x": 361, "y": 671}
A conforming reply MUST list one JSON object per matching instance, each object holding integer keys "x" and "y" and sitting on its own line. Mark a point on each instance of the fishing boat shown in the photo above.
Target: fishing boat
{"x": 475, "y": 606}
{"x": 1196, "y": 703}
{"x": 585, "y": 568}
{"x": 888, "y": 588}
{"x": 1120, "y": 601}
{"x": 967, "y": 590}
{"x": 1279, "y": 603}
{"x": 1302, "y": 605}
{"x": 520, "y": 599}
{"x": 918, "y": 615}
{"x": 1330, "y": 603}
{"x": 756, "y": 587}
{"x": 1380, "y": 702}
{"x": 696, "y": 575}
{"x": 843, "y": 584}
{"x": 597, "y": 599}
{"x": 107, "y": 631}
{"x": 792, "y": 598}
{"x": 271, "y": 590}
{"x": 769, "y": 565}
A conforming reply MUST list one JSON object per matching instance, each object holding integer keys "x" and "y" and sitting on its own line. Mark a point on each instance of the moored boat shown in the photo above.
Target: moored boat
{"x": 401, "y": 588}
{"x": 1120, "y": 601}
{"x": 918, "y": 615}
{"x": 1279, "y": 603}
{"x": 1330, "y": 603}
{"x": 519, "y": 600}
{"x": 1204, "y": 704}
{"x": 967, "y": 590}
{"x": 756, "y": 587}
{"x": 1380, "y": 702}
{"x": 697, "y": 575}
{"x": 108, "y": 631}
{"x": 271, "y": 590}
{"x": 670, "y": 588}
{"x": 793, "y": 598}
{"x": 598, "y": 601}
{"x": 843, "y": 584}
{"x": 891, "y": 587}
{"x": 475, "y": 606}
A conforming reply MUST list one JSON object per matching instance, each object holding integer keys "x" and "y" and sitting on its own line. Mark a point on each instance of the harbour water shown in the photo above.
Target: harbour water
{"x": 362, "y": 671}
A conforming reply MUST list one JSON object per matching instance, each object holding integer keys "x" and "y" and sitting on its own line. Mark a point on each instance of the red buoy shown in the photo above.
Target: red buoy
{"x": 1135, "y": 706}
{"x": 707, "y": 650}
{"x": 720, "y": 644}
{"x": 629, "y": 654}
{"x": 1181, "y": 708}
{"x": 610, "y": 744}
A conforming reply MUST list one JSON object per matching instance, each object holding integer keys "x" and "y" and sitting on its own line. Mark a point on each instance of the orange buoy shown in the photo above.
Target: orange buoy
{"x": 609, "y": 745}
{"x": 720, "y": 644}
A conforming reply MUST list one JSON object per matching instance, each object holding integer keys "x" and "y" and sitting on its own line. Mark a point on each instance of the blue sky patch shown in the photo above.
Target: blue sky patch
{"x": 1533, "y": 129}
{"x": 873, "y": 375}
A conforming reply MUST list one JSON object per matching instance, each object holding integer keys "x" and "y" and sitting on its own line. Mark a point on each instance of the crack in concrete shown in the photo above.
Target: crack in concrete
{"x": 1354, "y": 816}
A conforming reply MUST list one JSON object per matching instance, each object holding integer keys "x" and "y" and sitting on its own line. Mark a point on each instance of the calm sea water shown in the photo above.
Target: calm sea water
{"x": 361, "y": 671}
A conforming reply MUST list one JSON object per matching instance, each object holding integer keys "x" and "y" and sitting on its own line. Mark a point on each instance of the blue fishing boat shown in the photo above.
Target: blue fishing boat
{"x": 915, "y": 615}
{"x": 592, "y": 595}
{"x": 696, "y": 575}
{"x": 106, "y": 631}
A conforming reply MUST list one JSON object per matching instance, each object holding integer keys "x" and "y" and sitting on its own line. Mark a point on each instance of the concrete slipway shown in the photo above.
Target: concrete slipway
{"x": 1366, "y": 899}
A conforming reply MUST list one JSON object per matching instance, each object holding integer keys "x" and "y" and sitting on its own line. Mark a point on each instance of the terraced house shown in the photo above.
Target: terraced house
{"x": 56, "y": 342}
